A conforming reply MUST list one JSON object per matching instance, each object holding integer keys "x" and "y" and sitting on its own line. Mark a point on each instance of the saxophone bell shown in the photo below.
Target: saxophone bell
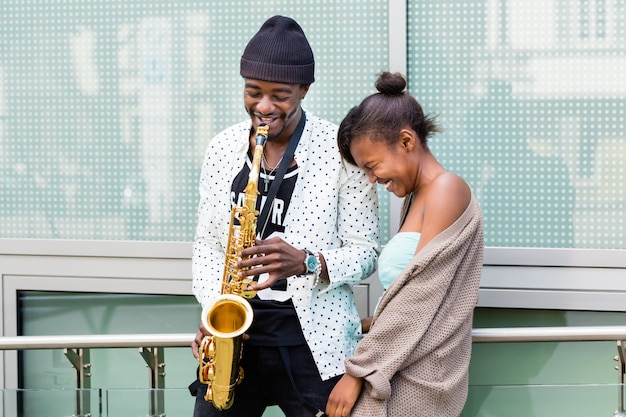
{"x": 227, "y": 318}
{"x": 228, "y": 315}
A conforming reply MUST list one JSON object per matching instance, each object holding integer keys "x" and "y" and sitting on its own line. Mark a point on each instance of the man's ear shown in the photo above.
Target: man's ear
{"x": 304, "y": 88}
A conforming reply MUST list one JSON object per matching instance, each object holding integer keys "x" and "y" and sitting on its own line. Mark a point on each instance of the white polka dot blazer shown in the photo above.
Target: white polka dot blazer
{"x": 333, "y": 210}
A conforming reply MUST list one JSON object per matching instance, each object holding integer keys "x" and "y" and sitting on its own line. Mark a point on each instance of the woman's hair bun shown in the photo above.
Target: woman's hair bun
{"x": 392, "y": 84}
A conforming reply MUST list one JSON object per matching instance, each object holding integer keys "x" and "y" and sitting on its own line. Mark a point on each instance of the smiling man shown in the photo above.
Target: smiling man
{"x": 317, "y": 237}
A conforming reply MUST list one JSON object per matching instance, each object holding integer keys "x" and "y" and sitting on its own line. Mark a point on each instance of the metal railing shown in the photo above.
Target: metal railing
{"x": 76, "y": 349}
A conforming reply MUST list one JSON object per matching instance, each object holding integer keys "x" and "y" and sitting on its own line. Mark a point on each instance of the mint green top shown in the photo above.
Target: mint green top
{"x": 396, "y": 255}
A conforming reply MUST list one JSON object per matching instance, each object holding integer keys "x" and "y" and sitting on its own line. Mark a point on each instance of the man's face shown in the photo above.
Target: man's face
{"x": 275, "y": 104}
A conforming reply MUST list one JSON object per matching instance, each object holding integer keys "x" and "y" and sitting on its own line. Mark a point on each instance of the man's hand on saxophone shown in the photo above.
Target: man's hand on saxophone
{"x": 197, "y": 341}
{"x": 276, "y": 258}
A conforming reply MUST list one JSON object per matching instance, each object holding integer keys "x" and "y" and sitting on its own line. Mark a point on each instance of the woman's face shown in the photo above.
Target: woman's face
{"x": 391, "y": 165}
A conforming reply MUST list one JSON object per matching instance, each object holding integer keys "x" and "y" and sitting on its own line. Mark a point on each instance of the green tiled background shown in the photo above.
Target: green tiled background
{"x": 106, "y": 107}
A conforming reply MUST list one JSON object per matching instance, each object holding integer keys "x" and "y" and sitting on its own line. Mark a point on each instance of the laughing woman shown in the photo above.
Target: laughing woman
{"x": 414, "y": 360}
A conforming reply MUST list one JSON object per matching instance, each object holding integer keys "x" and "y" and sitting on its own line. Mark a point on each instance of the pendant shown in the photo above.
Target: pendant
{"x": 267, "y": 181}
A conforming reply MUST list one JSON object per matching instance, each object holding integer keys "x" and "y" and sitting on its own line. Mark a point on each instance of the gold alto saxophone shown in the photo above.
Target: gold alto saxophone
{"x": 229, "y": 315}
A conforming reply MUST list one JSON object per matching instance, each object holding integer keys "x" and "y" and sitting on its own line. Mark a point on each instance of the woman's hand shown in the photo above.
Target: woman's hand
{"x": 343, "y": 396}
{"x": 366, "y": 324}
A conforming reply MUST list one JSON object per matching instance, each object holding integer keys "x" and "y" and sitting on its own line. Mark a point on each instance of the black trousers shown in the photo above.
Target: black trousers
{"x": 282, "y": 376}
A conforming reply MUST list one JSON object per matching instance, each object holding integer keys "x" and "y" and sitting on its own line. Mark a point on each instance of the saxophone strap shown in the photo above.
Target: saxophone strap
{"x": 278, "y": 178}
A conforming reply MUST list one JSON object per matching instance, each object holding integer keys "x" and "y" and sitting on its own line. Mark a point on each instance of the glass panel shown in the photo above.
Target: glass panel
{"x": 50, "y": 402}
{"x": 496, "y": 369}
{"x": 544, "y": 362}
{"x": 142, "y": 402}
{"x": 582, "y": 400}
{"x": 138, "y": 403}
{"x": 50, "y": 313}
{"x": 532, "y": 98}
{"x": 106, "y": 107}
{"x": 543, "y": 401}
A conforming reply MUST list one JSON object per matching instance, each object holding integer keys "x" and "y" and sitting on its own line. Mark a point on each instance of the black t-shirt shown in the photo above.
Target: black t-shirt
{"x": 275, "y": 322}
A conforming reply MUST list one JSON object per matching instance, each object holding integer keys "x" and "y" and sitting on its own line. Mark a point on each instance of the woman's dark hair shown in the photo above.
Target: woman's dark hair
{"x": 382, "y": 115}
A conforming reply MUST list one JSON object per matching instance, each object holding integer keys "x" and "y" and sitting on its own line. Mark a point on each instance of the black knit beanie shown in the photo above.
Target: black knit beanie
{"x": 280, "y": 53}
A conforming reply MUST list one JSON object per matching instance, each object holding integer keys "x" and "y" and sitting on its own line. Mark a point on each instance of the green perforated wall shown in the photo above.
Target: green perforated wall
{"x": 532, "y": 97}
{"x": 106, "y": 107}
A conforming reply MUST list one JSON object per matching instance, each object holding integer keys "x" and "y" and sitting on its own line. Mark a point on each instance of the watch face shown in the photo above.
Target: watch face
{"x": 311, "y": 263}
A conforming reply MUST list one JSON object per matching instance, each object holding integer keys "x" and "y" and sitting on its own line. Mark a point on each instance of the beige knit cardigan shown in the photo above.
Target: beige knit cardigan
{"x": 415, "y": 358}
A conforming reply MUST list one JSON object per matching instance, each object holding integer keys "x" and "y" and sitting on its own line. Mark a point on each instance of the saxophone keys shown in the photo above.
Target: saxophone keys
{"x": 245, "y": 292}
{"x": 211, "y": 349}
{"x": 240, "y": 376}
{"x": 209, "y": 394}
{"x": 207, "y": 373}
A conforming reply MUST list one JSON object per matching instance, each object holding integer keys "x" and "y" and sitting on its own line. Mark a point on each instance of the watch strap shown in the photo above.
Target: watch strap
{"x": 318, "y": 265}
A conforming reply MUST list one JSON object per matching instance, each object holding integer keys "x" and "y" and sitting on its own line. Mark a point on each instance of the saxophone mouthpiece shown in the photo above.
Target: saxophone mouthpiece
{"x": 262, "y": 132}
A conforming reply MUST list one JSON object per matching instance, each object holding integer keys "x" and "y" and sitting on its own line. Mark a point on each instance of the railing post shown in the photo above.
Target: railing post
{"x": 155, "y": 359}
{"x": 621, "y": 369}
{"x": 82, "y": 371}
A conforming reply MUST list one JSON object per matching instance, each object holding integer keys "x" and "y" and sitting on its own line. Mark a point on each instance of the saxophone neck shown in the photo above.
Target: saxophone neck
{"x": 262, "y": 132}
{"x": 253, "y": 177}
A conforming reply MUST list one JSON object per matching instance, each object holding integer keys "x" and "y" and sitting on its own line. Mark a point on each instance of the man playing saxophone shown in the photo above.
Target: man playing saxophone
{"x": 317, "y": 234}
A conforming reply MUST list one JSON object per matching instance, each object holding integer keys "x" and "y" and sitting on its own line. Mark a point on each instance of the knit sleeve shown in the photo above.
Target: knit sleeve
{"x": 397, "y": 330}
